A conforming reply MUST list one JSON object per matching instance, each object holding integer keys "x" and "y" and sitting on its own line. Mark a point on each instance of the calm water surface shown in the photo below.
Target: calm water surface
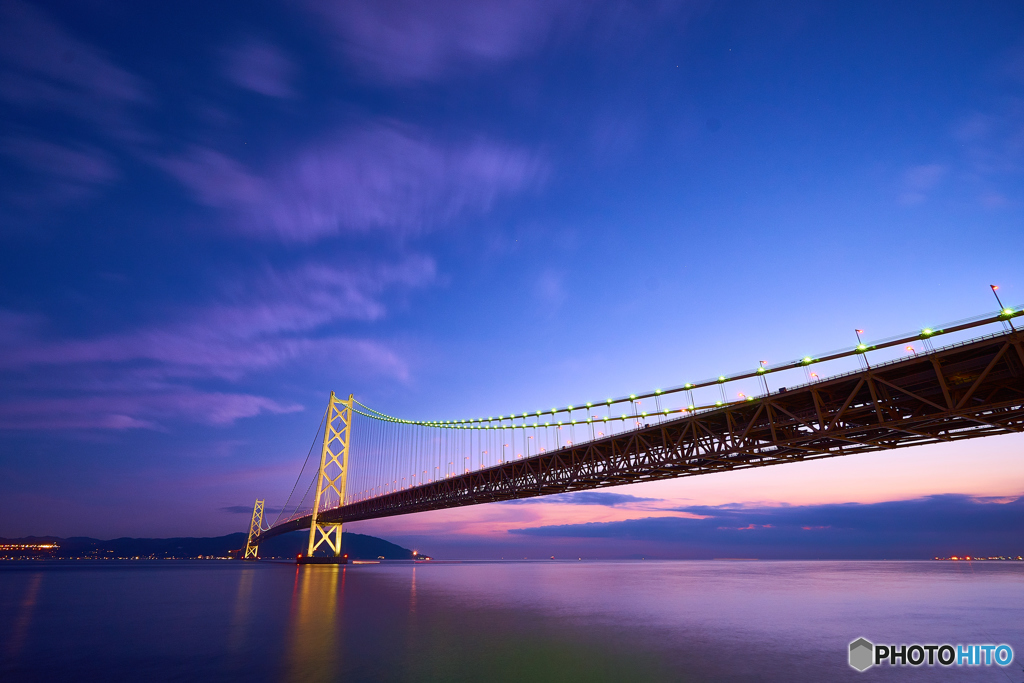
{"x": 557, "y": 621}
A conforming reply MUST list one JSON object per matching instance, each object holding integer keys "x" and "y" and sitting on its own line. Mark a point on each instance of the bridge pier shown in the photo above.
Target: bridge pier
{"x": 330, "y": 559}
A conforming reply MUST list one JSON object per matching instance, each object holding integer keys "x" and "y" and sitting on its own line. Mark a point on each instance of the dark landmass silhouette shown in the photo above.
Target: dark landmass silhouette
{"x": 357, "y": 546}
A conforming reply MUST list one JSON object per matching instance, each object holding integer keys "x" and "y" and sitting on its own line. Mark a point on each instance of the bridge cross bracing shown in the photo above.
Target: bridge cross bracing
{"x": 967, "y": 389}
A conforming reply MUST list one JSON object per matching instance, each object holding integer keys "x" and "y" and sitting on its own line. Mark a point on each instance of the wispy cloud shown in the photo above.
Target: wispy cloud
{"x": 378, "y": 177}
{"x": 62, "y": 174}
{"x": 604, "y": 498}
{"x": 44, "y": 67}
{"x": 550, "y": 288}
{"x": 144, "y": 410}
{"x": 258, "y": 66}
{"x": 402, "y": 41}
{"x": 267, "y": 329}
{"x": 137, "y": 379}
{"x": 247, "y": 510}
{"x": 919, "y": 181}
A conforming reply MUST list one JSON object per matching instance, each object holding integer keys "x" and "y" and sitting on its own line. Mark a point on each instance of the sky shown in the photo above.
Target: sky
{"x": 214, "y": 214}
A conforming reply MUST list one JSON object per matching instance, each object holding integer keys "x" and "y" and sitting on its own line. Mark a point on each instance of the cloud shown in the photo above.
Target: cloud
{"x": 604, "y": 498}
{"x": 376, "y": 178}
{"x": 62, "y": 173}
{"x": 936, "y": 525}
{"x": 404, "y": 41}
{"x": 260, "y": 67}
{"x": 142, "y": 378}
{"x": 42, "y": 66}
{"x": 918, "y": 181}
{"x": 992, "y": 145}
{"x": 550, "y": 288}
{"x": 247, "y": 510}
{"x": 145, "y": 410}
{"x": 228, "y": 340}
{"x": 18, "y": 328}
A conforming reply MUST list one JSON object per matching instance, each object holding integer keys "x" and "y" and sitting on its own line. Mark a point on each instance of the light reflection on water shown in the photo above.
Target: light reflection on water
{"x": 313, "y": 642}
{"x": 558, "y": 621}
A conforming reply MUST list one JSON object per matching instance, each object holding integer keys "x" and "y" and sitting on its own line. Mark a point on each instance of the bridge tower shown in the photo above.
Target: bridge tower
{"x": 255, "y": 527}
{"x": 330, "y": 480}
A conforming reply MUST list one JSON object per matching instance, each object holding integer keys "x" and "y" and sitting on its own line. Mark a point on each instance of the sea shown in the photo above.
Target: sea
{"x": 550, "y": 620}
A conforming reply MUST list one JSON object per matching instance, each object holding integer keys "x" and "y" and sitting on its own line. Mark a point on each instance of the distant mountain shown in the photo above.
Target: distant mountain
{"x": 357, "y": 546}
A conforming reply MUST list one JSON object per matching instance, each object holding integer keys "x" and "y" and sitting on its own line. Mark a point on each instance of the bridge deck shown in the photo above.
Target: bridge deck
{"x": 960, "y": 392}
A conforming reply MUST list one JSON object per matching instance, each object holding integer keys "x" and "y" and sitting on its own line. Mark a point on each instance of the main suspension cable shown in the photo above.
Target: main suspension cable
{"x": 304, "y": 462}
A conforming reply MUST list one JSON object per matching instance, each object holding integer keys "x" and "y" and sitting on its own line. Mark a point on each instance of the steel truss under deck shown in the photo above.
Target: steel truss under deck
{"x": 961, "y": 392}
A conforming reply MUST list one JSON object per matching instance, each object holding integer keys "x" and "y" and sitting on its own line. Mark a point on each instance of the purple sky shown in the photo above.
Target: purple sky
{"x": 212, "y": 215}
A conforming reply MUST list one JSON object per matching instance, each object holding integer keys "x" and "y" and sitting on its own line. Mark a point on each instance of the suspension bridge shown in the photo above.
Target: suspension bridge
{"x": 903, "y": 391}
